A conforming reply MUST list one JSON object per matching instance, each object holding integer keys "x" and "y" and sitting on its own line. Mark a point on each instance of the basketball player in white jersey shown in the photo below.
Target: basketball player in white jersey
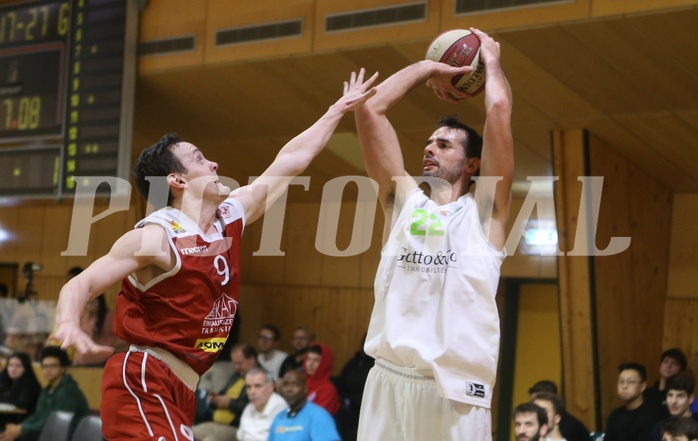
{"x": 434, "y": 330}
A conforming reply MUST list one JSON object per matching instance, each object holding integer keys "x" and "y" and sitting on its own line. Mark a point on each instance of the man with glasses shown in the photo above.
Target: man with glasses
{"x": 61, "y": 393}
{"x": 634, "y": 420}
{"x": 270, "y": 357}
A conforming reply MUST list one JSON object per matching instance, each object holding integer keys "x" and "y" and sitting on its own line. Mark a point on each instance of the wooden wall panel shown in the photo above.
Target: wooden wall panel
{"x": 376, "y": 35}
{"x": 164, "y": 19}
{"x": 601, "y": 8}
{"x": 514, "y": 17}
{"x": 683, "y": 278}
{"x": 575, "y": 282}
{"x": 224, "y": 14}
{"x": 681, "y": 328}
{"x": 630, "y": 286}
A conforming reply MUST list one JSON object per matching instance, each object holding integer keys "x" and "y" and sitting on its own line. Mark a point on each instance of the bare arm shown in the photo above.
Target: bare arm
{"x": 497, "y": 159}
{"x": 380, "y": 147}
{"x": 297, "y": 154}
{"x": 136, "y": 250}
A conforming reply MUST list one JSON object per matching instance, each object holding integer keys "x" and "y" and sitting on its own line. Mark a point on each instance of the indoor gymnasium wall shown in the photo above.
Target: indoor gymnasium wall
{"x": 630, "y": 287}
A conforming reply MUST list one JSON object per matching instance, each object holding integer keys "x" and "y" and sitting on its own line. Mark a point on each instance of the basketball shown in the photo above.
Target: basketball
{"x": 460, "y": 47}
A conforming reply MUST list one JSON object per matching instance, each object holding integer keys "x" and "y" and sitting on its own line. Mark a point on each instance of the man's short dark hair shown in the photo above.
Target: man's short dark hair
{"x": 57, "y": 352}
{"x": 315, "y": 349}
{"x": 157, "y": 160}
{"x": 274, "y": 330}
{"x": 473, "y": 140}
{"x": 677, "y": 426}
{"x": 637, "y": 367}
{"x": 553, "y": 399}
{"x": 532, "y": 408}
{"x": 677, "y": 354}
{"x": 543, "y": 386}
{"x": 248, "y": 351}
{"x": 681, "y": 382}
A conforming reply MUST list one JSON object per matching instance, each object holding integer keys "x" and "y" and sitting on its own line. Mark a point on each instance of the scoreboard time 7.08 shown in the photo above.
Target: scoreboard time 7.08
{"x": 67, "y": 72}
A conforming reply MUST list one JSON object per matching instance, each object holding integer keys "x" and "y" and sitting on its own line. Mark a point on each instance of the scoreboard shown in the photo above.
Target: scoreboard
{"x": 67, "y": 79}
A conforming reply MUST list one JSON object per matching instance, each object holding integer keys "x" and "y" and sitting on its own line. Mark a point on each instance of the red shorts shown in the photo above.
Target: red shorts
{"x": 143, "y": 400}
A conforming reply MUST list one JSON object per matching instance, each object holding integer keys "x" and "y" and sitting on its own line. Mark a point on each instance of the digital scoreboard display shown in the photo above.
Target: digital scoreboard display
{"x": 67, "y": 75}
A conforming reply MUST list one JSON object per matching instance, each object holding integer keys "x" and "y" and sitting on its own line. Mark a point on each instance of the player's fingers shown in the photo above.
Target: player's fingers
{"x": 360, "y": 78}
{"x": 371, "y": 80}
{"x": 346, "y": 87}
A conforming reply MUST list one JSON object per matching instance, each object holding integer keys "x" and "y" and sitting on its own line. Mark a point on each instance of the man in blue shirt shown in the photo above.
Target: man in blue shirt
{"x": 303, "y": 421}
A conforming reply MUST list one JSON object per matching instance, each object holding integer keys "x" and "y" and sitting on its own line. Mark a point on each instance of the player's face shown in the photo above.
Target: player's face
{"x": 293, "y": 388}
{"x": 258, "y": 390}
{"x": 630, "y": 386}
{"x": 15, "y": 368}
{"x": 444, "y": 154}
{"x": 202, "y": 174}
{"x": 669, "y": 367}
{"x": 312, "y": 362}
{"x": 526, "y": 427}
{"x": 679, "y": 402}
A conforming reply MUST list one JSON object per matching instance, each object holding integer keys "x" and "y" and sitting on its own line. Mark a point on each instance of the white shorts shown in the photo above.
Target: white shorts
{"x": 401, "y": 405}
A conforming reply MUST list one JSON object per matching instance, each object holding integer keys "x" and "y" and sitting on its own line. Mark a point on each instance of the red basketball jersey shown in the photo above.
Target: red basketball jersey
{"x": 188, "y": 311}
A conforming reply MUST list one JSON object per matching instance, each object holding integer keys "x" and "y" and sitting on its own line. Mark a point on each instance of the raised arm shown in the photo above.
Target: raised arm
{"x": 297, "y": 154}
{"x": 380, "y": 147}
{"x": 136, "y": 250}
{"x": 497, "y": 158}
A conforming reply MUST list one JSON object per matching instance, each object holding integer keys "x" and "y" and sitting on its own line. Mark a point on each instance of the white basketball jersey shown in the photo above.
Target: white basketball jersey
{"x": 435, "y": 289}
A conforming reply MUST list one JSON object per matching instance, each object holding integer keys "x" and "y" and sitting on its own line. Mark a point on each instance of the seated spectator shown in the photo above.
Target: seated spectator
{"x": 264, "y": 405}
{"x": 302, "y": 337}
{"x": 318, "y": 368}
{"x": 228, "y": 404}
{"x": 61, "y": 393}
{"x": 679, "y": 396}
{"x": 350, "y": 386}
{"x": 570, "y": 427}
{"x": 18, "y": 387}
{"x": 552, "y": 404}
{"x": 634, "y": 420}
{"x": 680, "y": 429}
{"x": 303, "y": 421}
{"x": 530, "y": 422}
{"x": 672, "y": 361}
{"x": 98, "y": 322}
{"x": 270, "y": 358}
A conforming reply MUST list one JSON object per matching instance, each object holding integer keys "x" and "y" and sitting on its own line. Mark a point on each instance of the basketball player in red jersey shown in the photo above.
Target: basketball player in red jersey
{"x": 180, "y": 278}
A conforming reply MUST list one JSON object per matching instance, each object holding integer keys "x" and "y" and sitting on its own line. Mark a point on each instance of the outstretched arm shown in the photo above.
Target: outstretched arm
{"x": 380, "y": 147}
{"x": 297, "y": 154}
{"x": 135, "y": 250}
{"x": 497, "y": 159}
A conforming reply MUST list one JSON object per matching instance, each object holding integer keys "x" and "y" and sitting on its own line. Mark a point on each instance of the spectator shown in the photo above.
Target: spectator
{"x": 270, "y": 358}
{"x": 530, "y": 422}
{"x": 228, "y": 404}
{"x": 264, "y": 405}
{"x": 318, "y": 368}
{"x": 672, "y": 361}
{"x": 61, "y": 393}
{"x": 18, "y": 386}
{"x": 303, "y": 421}
{"x": 570, "y": 427}
{"x": 302, "y": 337}
{"x": 552, "y": 404}
{"x": 679, "y": 396}
{"x": 680, "y": 429}
{"x": 632, "y": 421}
{"x": 350, "y": 387}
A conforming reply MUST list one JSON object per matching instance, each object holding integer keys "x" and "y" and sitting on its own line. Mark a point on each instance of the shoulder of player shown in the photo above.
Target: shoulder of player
{"x": 150, "y": 240}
